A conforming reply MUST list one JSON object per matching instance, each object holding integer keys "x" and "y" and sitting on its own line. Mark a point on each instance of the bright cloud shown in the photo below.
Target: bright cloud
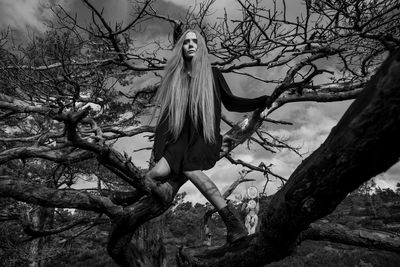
{"x": 23, "y": 14}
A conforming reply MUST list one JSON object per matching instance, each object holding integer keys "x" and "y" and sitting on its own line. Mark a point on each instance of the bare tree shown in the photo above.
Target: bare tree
{"x": 61, "y": 101}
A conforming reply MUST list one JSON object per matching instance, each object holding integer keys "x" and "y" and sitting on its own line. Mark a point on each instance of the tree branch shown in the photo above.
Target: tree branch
{"x": 34, "y": 233}
{"x": 53, "y": 154}
{"x": 48, "y": 197}
{"x": 358, "y": 237}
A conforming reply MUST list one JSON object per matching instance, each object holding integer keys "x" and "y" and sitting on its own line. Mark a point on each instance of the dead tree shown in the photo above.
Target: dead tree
{"x": 57, "y": 105}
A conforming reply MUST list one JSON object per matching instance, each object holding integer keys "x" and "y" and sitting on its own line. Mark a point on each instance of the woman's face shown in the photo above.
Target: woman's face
{"x": 189, "y": 47}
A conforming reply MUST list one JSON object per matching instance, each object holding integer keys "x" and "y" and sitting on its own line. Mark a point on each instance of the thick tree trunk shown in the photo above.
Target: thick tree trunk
{"x": 120, "y": 247}
{"x": 364, "y": 143}
{"x": 35, "y": 247}
{"x": 357, "y": 237}
{"x": 37, "y": 219}
{"x": 149, "y": 238}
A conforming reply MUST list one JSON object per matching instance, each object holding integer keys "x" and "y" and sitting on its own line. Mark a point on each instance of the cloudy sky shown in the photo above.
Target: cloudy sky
{"x": 312, "y": 122}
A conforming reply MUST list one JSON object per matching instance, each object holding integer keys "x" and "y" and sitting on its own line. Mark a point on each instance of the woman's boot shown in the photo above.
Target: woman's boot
{"x": 235, "y": 226}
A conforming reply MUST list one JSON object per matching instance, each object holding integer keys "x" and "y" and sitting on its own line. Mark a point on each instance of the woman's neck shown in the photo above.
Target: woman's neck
{"x": 188, "y": 67}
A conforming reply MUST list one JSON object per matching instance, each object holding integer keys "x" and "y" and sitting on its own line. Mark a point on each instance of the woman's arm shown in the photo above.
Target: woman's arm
{"x": 235, "y": 103}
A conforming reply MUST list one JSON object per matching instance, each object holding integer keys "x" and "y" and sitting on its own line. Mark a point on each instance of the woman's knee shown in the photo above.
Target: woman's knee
{"x": 161, "y": 169}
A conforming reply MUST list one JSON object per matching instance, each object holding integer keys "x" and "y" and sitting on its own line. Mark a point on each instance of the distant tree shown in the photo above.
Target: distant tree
{"x": 398, "y": 188}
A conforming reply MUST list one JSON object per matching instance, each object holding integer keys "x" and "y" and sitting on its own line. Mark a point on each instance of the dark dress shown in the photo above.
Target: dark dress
{"x": 190, "y": 151}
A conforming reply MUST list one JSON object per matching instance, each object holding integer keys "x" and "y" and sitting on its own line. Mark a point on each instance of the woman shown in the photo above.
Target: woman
{"x": 187, "y": 138}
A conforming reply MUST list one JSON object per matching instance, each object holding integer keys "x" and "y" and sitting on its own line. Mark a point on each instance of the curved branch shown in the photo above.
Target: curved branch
{"x": 53, "y": 154}
{"x": 57, "y": 198}
{"x": 357, "y": 237}
{"x": 312, "y": 95}
{"x": 29, "y": 230}
{"x": 125, "y": 133}
{"x": 92, "y": 64}
{"x": 254, "y": 168}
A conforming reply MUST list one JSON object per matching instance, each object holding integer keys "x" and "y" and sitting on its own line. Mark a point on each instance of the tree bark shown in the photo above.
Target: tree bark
{"x": 36, "y": 245}
{"x": 357, "y": 237}
{"x": 36, "y": 218}
{"x": 149, "y": 238}
{"x": 50, "y": 197}
{"x": 119, "y": 246}
{"x": 363, "y": 144}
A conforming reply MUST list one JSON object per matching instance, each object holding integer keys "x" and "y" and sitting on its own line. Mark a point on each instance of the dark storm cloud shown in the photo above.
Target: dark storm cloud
{"x": 124, "y": 11}
{"x": 31, "y": 15}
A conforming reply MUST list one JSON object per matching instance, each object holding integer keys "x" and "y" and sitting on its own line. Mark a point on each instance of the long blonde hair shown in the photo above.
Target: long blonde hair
{"x": 178, "y": 92}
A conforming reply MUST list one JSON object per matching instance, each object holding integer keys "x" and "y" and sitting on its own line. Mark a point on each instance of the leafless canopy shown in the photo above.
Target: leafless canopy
{"x": 68, "y": 95}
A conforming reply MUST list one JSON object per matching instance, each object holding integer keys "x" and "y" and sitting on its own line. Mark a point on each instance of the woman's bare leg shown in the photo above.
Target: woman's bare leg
{"x": 161, "y": 169}
{"x": 234, "y": 225}
{"x": 207, "y": 188}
